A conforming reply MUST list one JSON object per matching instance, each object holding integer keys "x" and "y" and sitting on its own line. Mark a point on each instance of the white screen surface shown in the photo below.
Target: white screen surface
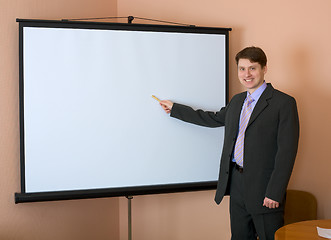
{"x": 90, "y": 121}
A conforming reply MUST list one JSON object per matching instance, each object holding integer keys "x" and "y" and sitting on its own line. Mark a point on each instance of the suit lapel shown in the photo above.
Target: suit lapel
{"x": 262, "y": 103}
{"x": 237, "y": 109}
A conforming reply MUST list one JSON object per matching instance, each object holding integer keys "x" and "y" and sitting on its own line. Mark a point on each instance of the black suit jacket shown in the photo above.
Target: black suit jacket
{"x": 271, "y": 142}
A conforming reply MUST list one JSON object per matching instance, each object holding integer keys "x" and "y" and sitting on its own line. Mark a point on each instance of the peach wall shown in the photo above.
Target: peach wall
{"x": 65, "y": 220}
{"x": 296, "y": 36}
{"x": 176, "y": 216}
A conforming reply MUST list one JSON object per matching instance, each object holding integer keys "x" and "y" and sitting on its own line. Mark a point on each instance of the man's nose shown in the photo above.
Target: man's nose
{"x": 247, "y": 72}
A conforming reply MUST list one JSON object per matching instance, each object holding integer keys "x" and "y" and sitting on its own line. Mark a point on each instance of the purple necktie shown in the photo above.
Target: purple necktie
{"x": 239, "y": 147}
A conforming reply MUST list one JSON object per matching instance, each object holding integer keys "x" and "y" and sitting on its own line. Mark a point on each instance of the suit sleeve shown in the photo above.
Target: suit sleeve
{"x": 198, "y": 117}
{"x": 287, "y": 145}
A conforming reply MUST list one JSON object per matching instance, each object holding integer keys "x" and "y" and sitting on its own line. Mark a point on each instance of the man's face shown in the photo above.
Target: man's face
{"x": 250, "y": 74}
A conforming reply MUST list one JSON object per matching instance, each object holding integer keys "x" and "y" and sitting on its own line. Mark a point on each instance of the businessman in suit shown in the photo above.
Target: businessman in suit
{"x": 260, "y": 146}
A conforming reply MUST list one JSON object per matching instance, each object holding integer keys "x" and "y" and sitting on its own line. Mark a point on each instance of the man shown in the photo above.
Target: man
{"x": 260, "y": 146}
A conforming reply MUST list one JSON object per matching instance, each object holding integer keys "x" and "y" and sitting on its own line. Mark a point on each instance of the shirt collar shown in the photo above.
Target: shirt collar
{"x": 258, "y": 92}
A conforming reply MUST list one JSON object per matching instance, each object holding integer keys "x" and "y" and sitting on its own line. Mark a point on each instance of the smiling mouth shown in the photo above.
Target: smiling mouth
{"x": 248, "y": 80}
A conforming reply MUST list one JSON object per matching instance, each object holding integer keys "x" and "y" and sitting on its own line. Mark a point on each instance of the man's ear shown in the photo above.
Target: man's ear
{"x": 265, "y": 69}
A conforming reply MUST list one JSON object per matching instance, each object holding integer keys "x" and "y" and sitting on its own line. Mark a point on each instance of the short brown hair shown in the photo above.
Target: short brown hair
{"x": 253, "y": 54}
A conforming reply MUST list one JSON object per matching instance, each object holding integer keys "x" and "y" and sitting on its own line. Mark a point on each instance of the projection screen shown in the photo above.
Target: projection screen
{"x": 88, "y": 123}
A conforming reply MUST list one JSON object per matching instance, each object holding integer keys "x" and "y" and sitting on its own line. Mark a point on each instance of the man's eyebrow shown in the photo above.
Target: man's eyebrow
{"x": 253, "y": 65}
